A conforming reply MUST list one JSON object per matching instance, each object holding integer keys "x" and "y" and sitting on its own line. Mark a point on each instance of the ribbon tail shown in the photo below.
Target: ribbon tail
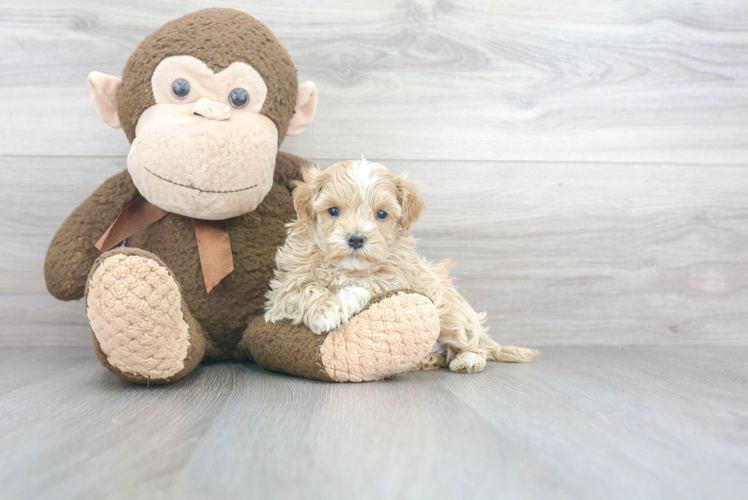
{"x": 214, "y": 248}
{"x": 136, "y": 216}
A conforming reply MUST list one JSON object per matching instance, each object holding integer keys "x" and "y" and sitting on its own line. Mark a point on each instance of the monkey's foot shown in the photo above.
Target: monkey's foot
{"x": 391, "y": 335}
{"x": 142, "y": 329}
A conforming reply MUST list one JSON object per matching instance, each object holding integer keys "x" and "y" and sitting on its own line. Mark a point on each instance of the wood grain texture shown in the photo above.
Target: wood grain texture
{"x": 639, "y": 241}
{"x": 558, "y": 254}
{"x": 584, "y": 166}
{"x": 578, "y": 422}
{"x": 540, "y": 80}
{"x": 22, "y": 366}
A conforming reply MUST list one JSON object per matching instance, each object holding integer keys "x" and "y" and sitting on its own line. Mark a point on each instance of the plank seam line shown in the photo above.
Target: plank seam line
{"x": 449, "y": 160}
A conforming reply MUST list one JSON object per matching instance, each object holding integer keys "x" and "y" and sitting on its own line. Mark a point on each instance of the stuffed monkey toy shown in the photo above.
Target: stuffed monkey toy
{"x": 174, "y": 255}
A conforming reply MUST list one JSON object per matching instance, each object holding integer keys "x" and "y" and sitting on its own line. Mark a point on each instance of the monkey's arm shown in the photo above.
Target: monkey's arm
{"x": 288, "y": 169}
{"x": 391, "y": 335}
{"x": 72, "y": 253}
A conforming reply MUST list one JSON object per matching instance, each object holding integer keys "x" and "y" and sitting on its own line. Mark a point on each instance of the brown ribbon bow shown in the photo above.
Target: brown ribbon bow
{"x": 213, "y": 243}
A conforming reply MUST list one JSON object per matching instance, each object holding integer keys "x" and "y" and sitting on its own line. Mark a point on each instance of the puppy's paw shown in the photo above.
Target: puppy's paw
{"x": 272, "y": 317}
{"x": 324, "y": 315}
{"x": 468, "y": 362}
{"x": 352, "y": 301}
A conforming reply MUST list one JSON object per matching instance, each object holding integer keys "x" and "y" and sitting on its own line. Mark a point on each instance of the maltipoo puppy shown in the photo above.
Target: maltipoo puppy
{"x": 350, "y": 242}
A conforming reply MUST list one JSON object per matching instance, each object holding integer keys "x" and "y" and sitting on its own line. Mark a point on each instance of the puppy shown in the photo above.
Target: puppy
{"x": 350, "y": 242}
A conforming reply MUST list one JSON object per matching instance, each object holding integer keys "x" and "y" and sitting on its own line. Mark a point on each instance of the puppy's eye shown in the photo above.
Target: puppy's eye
{"x": 333, "y": 211}
{"x": 381, "y": 214}
{"x": 239, "y": 98}
{"x": 181, "y": 88}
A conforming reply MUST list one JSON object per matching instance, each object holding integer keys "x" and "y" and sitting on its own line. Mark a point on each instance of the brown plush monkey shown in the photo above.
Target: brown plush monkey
{"x": 174, "y": 255}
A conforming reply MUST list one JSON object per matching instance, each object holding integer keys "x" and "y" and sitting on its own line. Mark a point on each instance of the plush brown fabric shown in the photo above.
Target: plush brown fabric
{"x": 217, "y": 321}
{"x": 287, "y": 348}
{"x": 218, "y": 37}
{"x": 294, "y": 349}
{"x": 288, "y": 170}
{"x": 195, "y": 351}
{"x": 72, "y": 253}
{"x": 224, "y": 312}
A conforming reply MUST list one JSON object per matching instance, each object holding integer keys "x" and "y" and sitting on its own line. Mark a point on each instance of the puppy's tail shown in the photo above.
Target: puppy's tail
{"x": 512, "y": 354}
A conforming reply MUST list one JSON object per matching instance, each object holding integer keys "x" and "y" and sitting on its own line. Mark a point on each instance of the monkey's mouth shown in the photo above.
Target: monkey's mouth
{"x": 198, "y": 189}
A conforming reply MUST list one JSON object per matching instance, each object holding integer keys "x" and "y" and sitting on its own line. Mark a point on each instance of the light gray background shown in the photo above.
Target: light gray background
{"x": 584, "y": 164}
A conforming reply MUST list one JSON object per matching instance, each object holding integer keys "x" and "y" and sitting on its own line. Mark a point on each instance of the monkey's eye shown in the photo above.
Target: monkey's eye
{"x": 181, "y": 88}
{"x": 333, "y": 211}
{"x": 239, "y": 98}
{"x": 381, "y": 214}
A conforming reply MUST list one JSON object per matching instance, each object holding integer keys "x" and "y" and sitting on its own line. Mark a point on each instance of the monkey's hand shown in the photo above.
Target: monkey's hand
{"x": 72, "y": 253}
{"x": 394, "y": 332}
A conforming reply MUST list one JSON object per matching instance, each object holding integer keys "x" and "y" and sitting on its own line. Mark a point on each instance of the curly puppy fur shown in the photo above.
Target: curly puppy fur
{"x": 350, "y": 242}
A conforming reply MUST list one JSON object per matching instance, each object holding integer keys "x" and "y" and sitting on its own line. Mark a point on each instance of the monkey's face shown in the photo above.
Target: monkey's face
{"x": 204, "y": 150}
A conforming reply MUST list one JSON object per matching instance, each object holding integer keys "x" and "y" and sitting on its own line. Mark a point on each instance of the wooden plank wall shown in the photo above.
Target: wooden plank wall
{"x": 584, "y": 161}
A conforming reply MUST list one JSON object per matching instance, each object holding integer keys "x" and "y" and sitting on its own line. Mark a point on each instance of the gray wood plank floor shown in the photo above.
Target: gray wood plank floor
{"x": 580, "y": 422}
{"x": 584, "y": 165}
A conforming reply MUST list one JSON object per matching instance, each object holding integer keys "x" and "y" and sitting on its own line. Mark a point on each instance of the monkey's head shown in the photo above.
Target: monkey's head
{"x": 205, "y": 102}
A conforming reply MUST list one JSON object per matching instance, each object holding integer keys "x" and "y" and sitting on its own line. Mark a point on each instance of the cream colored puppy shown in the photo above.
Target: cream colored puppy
{"x": 350, "y": 242}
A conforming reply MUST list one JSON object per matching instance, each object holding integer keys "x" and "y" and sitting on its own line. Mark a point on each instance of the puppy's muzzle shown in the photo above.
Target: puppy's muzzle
{"x": 356, "y": 241}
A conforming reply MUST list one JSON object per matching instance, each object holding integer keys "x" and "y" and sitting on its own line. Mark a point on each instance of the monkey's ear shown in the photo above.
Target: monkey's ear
{"x": 306, "y": 106}
{"x": 306, "y": 192}
{"x": 410, "y": 200}
{"x": 104, "y": 90}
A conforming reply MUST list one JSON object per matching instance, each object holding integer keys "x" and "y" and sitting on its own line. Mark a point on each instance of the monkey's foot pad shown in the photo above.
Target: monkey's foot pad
{"x": 389, "y": 337}
{"x": 135, "y": 310}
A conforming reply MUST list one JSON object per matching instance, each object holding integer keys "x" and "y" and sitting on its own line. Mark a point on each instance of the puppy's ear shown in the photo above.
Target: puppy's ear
{"x": 410, "y": 200}
{"x": 306, "y": 191}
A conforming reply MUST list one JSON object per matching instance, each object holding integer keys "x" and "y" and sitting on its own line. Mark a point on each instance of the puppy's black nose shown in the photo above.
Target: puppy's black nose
{"x": 356, "y": 241}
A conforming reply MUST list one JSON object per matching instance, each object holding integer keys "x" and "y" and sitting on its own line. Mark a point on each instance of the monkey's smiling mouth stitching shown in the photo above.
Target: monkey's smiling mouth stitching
{"x": 198, "y": 189}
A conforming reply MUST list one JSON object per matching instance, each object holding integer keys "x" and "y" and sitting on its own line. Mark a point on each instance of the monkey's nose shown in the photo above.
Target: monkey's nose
{"x": 356, "y": 241}
{"x": 211, "y": 110}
